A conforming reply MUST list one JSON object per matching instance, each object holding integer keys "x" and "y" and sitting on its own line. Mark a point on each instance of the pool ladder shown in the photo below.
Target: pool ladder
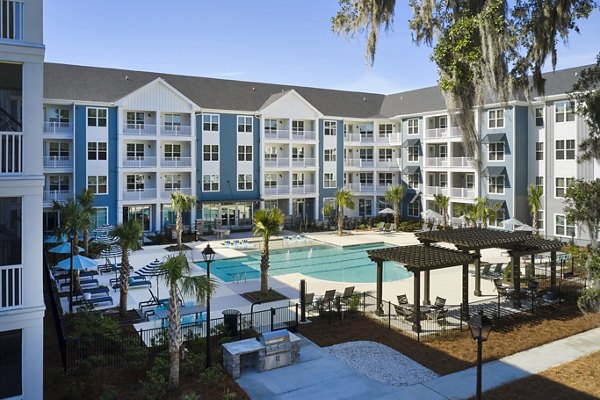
{"x": 238, "y": 276}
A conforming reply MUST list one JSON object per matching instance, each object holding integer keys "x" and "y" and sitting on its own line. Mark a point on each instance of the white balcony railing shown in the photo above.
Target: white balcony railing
{"x": 58, "y": 195}
{"x": 175, "y": 130}
{"x": 11, "y": 153}
{"x": 304, "y": 135}
{"x": 304, "y": 162}
{"x": 433, "y": 190}
{"x": 436, "y": 161}
{"x": 304, "y": 189}
{"x": 58, "y": 162}
{"x": 330, "y": 184}
{"x": 391, "y": 163}
{"x": 279, "y": 134}
{"x": 461, "y": 162}
{"x": 139, "y": 162}
{"x": 394, "y": 137}
{"x": 462, "y": 193}
{"x": 277, "y": 190}
{"x": 139, "y": 194}
{"x": 277, "y": 162}
{"x": 11, "y": 19}
{"x": 11, "y": 285}
{"x": 358, "y": 138}
{"x": 58, "y": 127}
{"x": 359, "y": 162}
{"x": 165, "y": 194}
{"x": 442, "y": 133}
{"x": 176, "y": 162}
{"x": 360, "y": 187}
{"x": 139, "y": 129}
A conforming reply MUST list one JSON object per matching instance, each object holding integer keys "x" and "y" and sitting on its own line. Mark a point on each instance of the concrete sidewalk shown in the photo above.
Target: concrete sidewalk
{"x": 322, "y": 375}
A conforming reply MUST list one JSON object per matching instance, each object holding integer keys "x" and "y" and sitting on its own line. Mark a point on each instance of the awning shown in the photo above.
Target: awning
{"x": 411, "y": 142}
{"x": 411, "y": 169}
{"x": 494, "y": 138}
{"x": 493, "y": 202}
{"x": 494, "y": 172}
{"x": 415, "y": 197}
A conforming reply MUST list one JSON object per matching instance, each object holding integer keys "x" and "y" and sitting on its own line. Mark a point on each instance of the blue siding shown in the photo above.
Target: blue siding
{"x": 339, "y": 173}
{"x": 521, "y": 163}
{"x": 80, "y": 148}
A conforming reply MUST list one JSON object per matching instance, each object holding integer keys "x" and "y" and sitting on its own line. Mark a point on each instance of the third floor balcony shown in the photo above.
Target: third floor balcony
{"x": 62, "y": 162}
{"x": 139, "y": 129}
{"x": 58, "y": 127}
{"x": 443, "y": 133}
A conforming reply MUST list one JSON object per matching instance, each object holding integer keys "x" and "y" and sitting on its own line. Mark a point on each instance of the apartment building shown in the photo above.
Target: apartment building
{"x": 21, "y": 184}
{"x": 134, "y": 137}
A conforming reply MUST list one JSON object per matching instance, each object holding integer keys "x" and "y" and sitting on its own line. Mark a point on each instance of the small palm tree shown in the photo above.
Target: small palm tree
{"x": 176, "y": 270}
{"x": 71, "y": 217}
{"x": 481, "y": 205}
{"x": 86, "y": 201}
{"x": 535, "y": 203}
{"x": 266, "y": 224}
{"x": 394, "y": 195}
{"x": 128, "y": 235}
{"x": 442, "y": 202}
{"x": 181, "y": 203}
{"x": 343, "y": 199}
{"x": 468, "y": 212}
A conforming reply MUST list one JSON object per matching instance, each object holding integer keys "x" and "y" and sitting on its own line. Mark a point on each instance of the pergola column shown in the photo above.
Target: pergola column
{"x": 531, "y": 268}
{"x": 465, "y": 292}
{"x": 516, "y": 277}
{"x": 416, "y": 306}
{"x": 553, "y": 267}
{"x": 477, "y": 291}
{"x": 379, "y": 309}
{"x": 426, "y": 288}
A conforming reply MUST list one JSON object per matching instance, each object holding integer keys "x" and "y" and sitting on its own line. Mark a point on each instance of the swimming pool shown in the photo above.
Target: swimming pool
{"x": 331, "y": 263}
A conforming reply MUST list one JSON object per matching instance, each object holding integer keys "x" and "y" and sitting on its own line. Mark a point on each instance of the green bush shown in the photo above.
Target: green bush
{"x": 190, "y": 396}
{"x": 89, "y": 323}
{"x": 354, "y": 302}
{"x": 155, "y": 386}
{"x": 589, "y": 301}
{"x": 212, "y": 376}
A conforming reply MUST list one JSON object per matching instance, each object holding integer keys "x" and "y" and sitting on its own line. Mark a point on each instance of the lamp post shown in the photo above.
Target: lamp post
{"x": 209, "y": 255}
{"x": 480, "y": 326}
{"x": 72, "y": 236}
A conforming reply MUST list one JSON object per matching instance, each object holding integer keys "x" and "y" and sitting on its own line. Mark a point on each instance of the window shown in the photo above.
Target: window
{"x": 135, "y": 182}
{"x": 365, "y": 207}
{"x": 172, "y": 122}
{"x": 172, "y": 151}
{"x": 539, "y": 151}
{"x": 135, "y": 120}
{"x": 270, "y": 125}
{"x": 210, "y": 183}
{"x": 298, "y": 153}
{"x": 496, "y": 184}
{"x": 97, "y": 150}
{"x": 11, "y": 362}
{"x": 365, "y": 130}
{"x": 565, "y": 149}
{"x": 496, "y": 118}
{"x": 413, "y": 153}
{"x": 561, "y": 186}
{"x": 385, "y": 130}
{"x": 210, "y": 152}
{"x": 58, "y": 183}
{"x": 562, "y": 226}
{"x": 244, "y": 182}
{"x": 329, "y": 155}
{"x": 270, "y": 204}
{"x": 366, "y": 154}
{"x": 385, "y": 155}
{"x": 498, "y": 219}
{"x": 58, "y": 150}
{"x": 11, "y": 25}
{"x": 98, "y": 184}
{"x": 413, "y": 126}
{"x": 11, "y": 254}
{"x": 564, "y": 111}
{"x": 96, "y": 116}
{"x": 297, "y": 127}
{"x": 297, "y": 179}
{"x": 270, "y": 153}
{"x": 385, "y": 179}
{"x": 270, "y": 180}
{"x": 244, "y": 153}
{"x": 539, "y": 182}
{"x": 329, "y": 128}
{"x": 172, "y": 182}
{"x": 329, "y": 180}
{"x": 210, "y": 122}
{"x": 540, "y": 219}
{"x": 100, "y": 217}
{"x": 496, "y": 151}
{"x": 414, "y": 209}
{"x": 141, "y": 214}
{"x": 366, "y": 178}
{"x": 539, "y": 116}
{"x": 413, "y": 180}
{"x": 135, "y": 151}
{"x": 470, "y": 181}
{"x": 57, "y": 115}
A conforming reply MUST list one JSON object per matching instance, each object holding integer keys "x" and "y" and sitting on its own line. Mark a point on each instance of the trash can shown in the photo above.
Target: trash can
{"x": 230, "y": 322}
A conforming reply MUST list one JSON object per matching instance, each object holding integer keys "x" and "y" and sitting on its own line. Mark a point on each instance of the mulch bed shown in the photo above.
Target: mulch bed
{"x": 271, "y": 295}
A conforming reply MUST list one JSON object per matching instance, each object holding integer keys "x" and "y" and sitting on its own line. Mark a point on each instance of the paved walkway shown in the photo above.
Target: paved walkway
{"x": 320, "y": 375}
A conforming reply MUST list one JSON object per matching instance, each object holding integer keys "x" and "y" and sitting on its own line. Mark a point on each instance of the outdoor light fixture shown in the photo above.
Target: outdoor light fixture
{"x": 209, "y": 255}
{"x": 72, "y": 236}
{"x": 481, "y": 327}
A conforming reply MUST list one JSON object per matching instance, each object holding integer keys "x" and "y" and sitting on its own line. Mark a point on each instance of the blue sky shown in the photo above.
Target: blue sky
{"x": 279, "y": 41}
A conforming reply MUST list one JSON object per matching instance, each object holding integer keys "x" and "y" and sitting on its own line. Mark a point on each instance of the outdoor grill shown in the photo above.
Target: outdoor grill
{"x": 278, "y": 349}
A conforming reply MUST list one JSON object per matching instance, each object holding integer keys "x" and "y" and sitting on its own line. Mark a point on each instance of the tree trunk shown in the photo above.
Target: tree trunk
{"x": 124, "y": 281}
{"x": 340, "y": 221}
{"x": 174, "y": 337}
{"x": 179, "y": 227}
{"x": 86, "y": 242}
{"x": 264, "y": 268}
{"x": 534, "y": 224}
{"x": 396, "y": 215}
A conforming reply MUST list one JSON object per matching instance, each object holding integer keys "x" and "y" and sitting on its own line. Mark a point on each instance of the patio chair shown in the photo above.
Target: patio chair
{"x": 439, "y": 316}
{"x": 328, "y": 297}
{"x": 402, "y": 299}
{"x": 132, "y": 278}
{"x": 439, "y": 304}
{"x": 134, "y": 284}
{"x": 497, "y": 272}
{"x": 347, "y": 295}
{"x": 485, "y": 272}
{"x": 392, "y": 228}
{"x": 309, "y": 299}
{"x": 404, "y": 312}
{"x": 503, "y": 290}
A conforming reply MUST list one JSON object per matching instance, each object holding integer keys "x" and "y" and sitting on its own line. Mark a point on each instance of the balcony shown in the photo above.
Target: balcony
{"x": 433, "y": 190}
{"x": 462, "y": 162}
{"x": 360, "y": 187}
{"x": 176, "y": 130}
{"x": 176, "y": 162}
{"x": 279, "y": 134}
{"x": 359, "y": 163}
{"x": 394, "y": 137}
{"x": 139, "y": 194}
{"x": 304, "y": 135}
{"x": 463, "y": 193}
{"x": 442, "y": 133}
{"x": 304, "y": 162}
{"x": 277, "y": 190}
{"x": 165, "y": 194}
{"x": 11, "y": 284}
{"x": 359, "y": 138}
{"x": 58, "y": 127}
{"x": 139, "y": 130}
{"x": 304, "y": 189}
{"x": 139, "y": 162}
{"x": 11, "y": 153}
{"x": 58, "y": 162}
{"x": 390, "y": 163}
{"x": 436, "y": 161}
{"x": 58, "y": 195}
{"x": 282, "y": 162}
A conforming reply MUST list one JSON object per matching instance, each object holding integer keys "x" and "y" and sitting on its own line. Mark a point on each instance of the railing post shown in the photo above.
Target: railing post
{"x": 364, "y": 302}
{"x": 272, "y": 317}
{"x": 296, "y": 316}
{"x": 389, "y": 315}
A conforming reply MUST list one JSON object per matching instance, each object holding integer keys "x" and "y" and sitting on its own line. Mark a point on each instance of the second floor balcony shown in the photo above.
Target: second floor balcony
{"x": 58, "y": 127}
{"x": 304, "y": 162}
{"x": 56, "y": 195}
{"x": 11, "y": 284}
{"x": 436, "y": 161}
{"x": 275, "y": 162}
{"x": 358, "y": 187}
{"x": 463, "y": 193}
{"x": 304, "y": 189}
{"x": 176, "y": 162}
{"x": 139, "y": 194}
{"x": 176, "y": 130}
{"x": 139, "y": 129}
{"x": 359, "y": 162}
{"x": 277, "y": 134}
{"x": 58, "y": 162}
{"x": 275, "y": 190}
{"x": 139, "y": 162}
{"x": 304, "y": 135}
{"x": 165, "y": 193}
{"x": 433, "y": 190}
{"x": 443, "y": 133}
{"x": 11, "y": 153}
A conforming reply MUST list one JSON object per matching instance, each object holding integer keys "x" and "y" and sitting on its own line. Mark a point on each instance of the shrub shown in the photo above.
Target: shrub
{"x": 190, "y": 396}
{"x": 354, "y": 302}
{"x": 155, "y": 386}
{"x": 589, "y": 301}
{"x": 211, "y": 376}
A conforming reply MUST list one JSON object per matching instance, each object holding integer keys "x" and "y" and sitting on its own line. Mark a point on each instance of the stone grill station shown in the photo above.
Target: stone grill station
{"x": 270, "y": 350}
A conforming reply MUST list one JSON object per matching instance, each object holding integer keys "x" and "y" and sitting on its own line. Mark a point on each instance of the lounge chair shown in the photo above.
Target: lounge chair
{"x": 134, "y": 284}
{"x": 402, "y": 299}
{"x": 380, "y": 226}
{"x": 329, "y": 296}
{"x": 94, "y": 300}
{"x": 497, "y": 272}
{"x": 309, "y": 299}
{"x": 439, "y": 303}
{"x": 82, "y": 282}
{"x": 347, "y": 295}
{"x": 132, "y": 278}
{"x": 392, "y": 228}
{"x": 485, "y": 272}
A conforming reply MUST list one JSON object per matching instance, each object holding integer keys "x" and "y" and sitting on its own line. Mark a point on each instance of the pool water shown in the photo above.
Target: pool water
{"x": 331, "y": 263}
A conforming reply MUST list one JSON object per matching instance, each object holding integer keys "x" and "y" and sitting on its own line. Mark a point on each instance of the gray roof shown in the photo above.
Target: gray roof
{"x": 81, "y": 83}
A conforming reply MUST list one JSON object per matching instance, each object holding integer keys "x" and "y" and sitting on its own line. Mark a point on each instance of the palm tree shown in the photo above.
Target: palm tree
{"x": 442, "y": 202}
{"x": 86, "y": 201}
{"x": 481, "y": 205}
{"x": 394, "y": 195}
{"x": 266, "y": 224}
{"x": 468, "y": 212}
{"x": 343, "y": 198}
{"x": 176, "y": 270}
{"x": 181, "y": 203}
{"x": 71, "y": 217}
{"x": 128, "y": 235}
{"x": 535, "y": 203}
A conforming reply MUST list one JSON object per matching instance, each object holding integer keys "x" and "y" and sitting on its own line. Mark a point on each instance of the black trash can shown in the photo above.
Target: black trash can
{"x": 230, "y": 322}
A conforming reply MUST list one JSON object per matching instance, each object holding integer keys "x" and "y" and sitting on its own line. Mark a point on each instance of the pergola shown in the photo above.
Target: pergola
{"x": 417, "y": 259}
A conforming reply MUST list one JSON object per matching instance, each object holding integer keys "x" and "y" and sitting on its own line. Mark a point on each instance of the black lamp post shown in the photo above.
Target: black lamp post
{"x": 480, "y": 326}
{"x": 72, "y": 236}
{"x": 209, "y": 255}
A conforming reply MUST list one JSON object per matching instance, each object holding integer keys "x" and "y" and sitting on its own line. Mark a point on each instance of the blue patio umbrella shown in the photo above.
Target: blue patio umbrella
{"x": 56, "y": 239}
{"x": 65, "y": 248}
{"x": 79, "y": 262}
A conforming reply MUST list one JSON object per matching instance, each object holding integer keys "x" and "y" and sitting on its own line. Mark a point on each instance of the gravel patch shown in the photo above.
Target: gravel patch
{"x": 382, "y": 363}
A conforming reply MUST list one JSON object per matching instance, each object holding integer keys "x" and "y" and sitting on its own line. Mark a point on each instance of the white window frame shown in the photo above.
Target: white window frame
{"x": 385, "y": 130}
{"x": 496, "y": 118}
{"x": 270, "y": 125}
{"x": 298, "y": 179}
{"x": 385, "y": 178}
{"x": 245, "y": 124}
{"x": 496, "y": 151}
{"x": 298, "y": 127}
{"x": 245, "y": 182}
{"x": 561, "y": 184}
{"x": 540, "y": 219}
{"x": 96, "y": 182}
{"x": 213, "y": 181}
{"x": 244, "y": 153}
{"x": 539, "y": 151}
{"x": 270, "y": 180}
{"x": 562, "y": 227}
{"x": 98, "y": 153}
{"x": 329, "y": 180}
{"x": 413, "y": 209}
{"x": 413, "y": 126}
{"x": 136, "y": 152}
{"x": 387, "y": 154}
{"x": 172, "y": 181}
{"x": 97, "y": 116}
{"x": 330, "y": 154}
{"x": 329, "y": 127}
{"x": 212, "y": 121}
{"x": 172, "y": 121}
{"x": 210, "y": 152}
{"x": 565, "y": 149}
{"x": 413, "y": 153}
{"x": 413, "y": 180}
{"x": 138, "y": 184}
{"x": 539, "y": 182}
{"x": 496, "y": 184}
{"x": 172, "y": 151}
{"x": 538, "y": 114}
{"x": 564, "y": 111}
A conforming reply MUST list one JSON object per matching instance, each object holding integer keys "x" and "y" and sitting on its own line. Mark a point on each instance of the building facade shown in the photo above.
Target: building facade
{"x": 21, "y": 184}
{"x": 135, "y": 137}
